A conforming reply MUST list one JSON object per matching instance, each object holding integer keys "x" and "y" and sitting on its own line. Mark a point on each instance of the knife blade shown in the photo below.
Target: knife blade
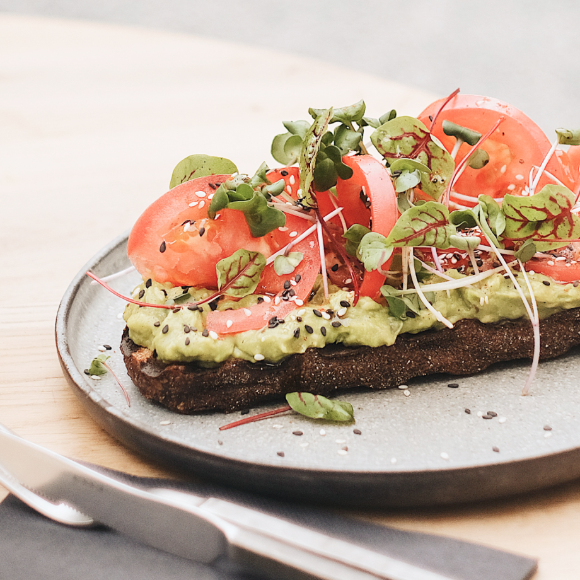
{"x": 201, "y": 529}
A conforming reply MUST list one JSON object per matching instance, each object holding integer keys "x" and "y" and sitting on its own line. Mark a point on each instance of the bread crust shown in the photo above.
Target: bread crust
{"x": 468, "y": 348}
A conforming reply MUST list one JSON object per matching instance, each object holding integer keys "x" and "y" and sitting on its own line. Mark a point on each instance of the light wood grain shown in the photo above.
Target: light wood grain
{"x": 93, "y": 118}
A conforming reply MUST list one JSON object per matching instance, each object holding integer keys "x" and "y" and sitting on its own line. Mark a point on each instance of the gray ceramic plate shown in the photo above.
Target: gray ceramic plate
{"x": 421, "y": 449}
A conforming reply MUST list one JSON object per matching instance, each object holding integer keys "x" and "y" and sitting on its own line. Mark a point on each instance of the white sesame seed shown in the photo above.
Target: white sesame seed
{"x": 305, "y": 444}
{"x": 560, "y": 259}
{"x": 293, "y": 234}
{"x": 229, "y": 323}
{"x": 393, "y": 460}
{"x": 193, "y": 203}
{"x": 341, "y": 312}
{"x": 165, "y": 422}
{"x": 503, "y": 169}
{"x": 511, "y": 186}
{"x": 292, "y": 180}
{"x": 342, "y": 452}
{"x": 444, "y": 455}
{"x": 502, "y": 419}
{"x": 348, "y": 281}
{"x": 299, "y": 302}
{"x": 480, "y": 413}
{"x": 550, "y": 262}
{"x": 267, "y": 299}
{"x": 403, "y": 387}
{"x": 568, "y": 265}
{"x": 213, "y": 334}
{"x": 186, "y": 227}
{"x": 325, "y": 315}
{"x": 217, "y": 215}
{"x": 259, "y": 356}
{"x": 407, "y": 393}
{"x": 283, "y": 229}
{"x": 95, "y": 378}
{"x": 277, "y": 426}
{"x": 301, "y": 312}
{"x": 277, "y": 300}
{"x": 200, "y": 193}
{"x": 102, "y": 348}
{"x": 531, "y": 272}
{"x": 288, "y": 189}
{"x": 519, "y": 176}
{"x": 210, "y": 196}
{"x": 547, "y": 434}
{"x": 311, "y": 244}
{"x": 293, "y": 282}
{"x": 247, "y": 312}
{"x": 486, "y": 299}
{"x": 454, "y": 260}
{"x": 481, "y": 300}
{"x": 322, "y": 432}
{"x": 299, "y": 192}
{"x": 201, "y": 203}
{"x": 340, "y": 441}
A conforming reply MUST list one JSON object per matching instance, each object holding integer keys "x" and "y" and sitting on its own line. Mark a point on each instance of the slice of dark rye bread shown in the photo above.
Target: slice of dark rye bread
{"x": 237, "y": 384}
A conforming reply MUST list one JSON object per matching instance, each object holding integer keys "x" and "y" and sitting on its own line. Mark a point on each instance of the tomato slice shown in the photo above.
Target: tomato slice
{"x": 564, "y": 267}
{"x": 369, "y": 199}
{"x": 514, "y": 148}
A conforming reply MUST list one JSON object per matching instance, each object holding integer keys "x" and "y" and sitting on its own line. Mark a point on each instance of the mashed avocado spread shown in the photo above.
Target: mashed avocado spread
{"x": 177, "y": 336}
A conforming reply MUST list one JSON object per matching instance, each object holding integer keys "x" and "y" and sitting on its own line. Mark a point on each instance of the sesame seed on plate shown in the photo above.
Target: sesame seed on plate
{"x": 547, "y": 428}
{"x": 102, "y": 348}
{"x": 322, "y": 432}
{"x": 502, "y": 419}
{"x": 407, "y": 393}
{"x": 403, "y": 387}
{"x": 342, "y": 452}
{"x": 393, "y": 460}
{"x": 496, "y": 449}
{"x": 165, "y": 422}
{"x": 297, "y": 433}
{"x": 444, "y": 455}
{"x": 547, "y": 434}
{"x": 280, "y": 453}
{"x": 357, "y": 431}
{"x": 305, "y": 444}
{"x": 277, "y": 426}
{"x": 341, "y": 441}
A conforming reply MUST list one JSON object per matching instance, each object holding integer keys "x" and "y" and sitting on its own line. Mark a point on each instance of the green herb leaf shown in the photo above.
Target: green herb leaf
{"x": 399, "y": 305}
{"x": 261, "y": 218}
{"x": 408, "y": 137}
{"x": 97, "y": 367}
{"x": 403, "y": 164}
{"x": 284, "y": 265}
{"x": 318, "y": 407}
{"x": 545, "y": 216}
{"x": 478, "y": 159}
{"x": 568, "y": 137}
{"x": 297, "y": 127}
{"x": 493, "y": 214}
{"x": 470, "y": 136}
{"x": 353, "y": 236}
{"x": 239, "y": 274}
{"x": 286, "y": 146}
{"x": 424, "y": 225}
{"x": 182, "y": 298}
{"x": 346, "y": 139}
{"x": 465, "y": 242}
{"x": 403, "y": 203}
{"x": 308, "y": 154}
{"x": 219, "y": 201}
{"x": 526, "y": 251}
{"x": 344, "y": 115}
{"x": 260, "y": 177}
{"x": 373, "y": 251}
{"x": 463, "y": 219}
{"x": 196, "y": 166}
{"x": 407, "y": 180}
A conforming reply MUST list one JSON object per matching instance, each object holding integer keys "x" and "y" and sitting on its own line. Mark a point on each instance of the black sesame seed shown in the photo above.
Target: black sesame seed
{"x": 317, "y": 313}
{"x": 345, "y": 448}
{"x": 201, "y": 231}
{"x": 283, "y": 173}
{"x": 308, "y": 329}
{"x": 164, "y": 292}
{"x": 357, "y": 431}
{"x": 547, "y": 428}
{"x": 205, "y": 332}
{"x": 334, "y": 268}
{"x": 479, "y": 263}
{"x": 336, "y": 323}
{"x": 260, "y": 300}
{"x": 280, "y": 454}
{"x": 245, "y": 411}
{"x": 155, "y": 353}
{"x": 176, "y": 310}
{"x": 187, "y": 341}
{"x": 107, "y": 347}
{"x": 468, "y": 411}
{"x": 410, "y": 314}
{"x": 148, "y": 283}
{"x": 213, "y": 304}
{"x": 453, "y": 385}
{"x": 165, "y": 329}
{"x": 298, "y": 277}
{"x": 220, "y": 442}
{"x": 213, "y": 185}
{"x": 86, "y": 371}
{"x": 192, "y": 307}
{"x": 492, "y": 413}
{"x": 297, "y": 433}
{"x": 297, "y": 333}
{"x": 545, "y": 283}
{"x": 200, "y": 308}
{"x": 273, "y": 320}
{"x": 299, "y": 318}
{"x": 157, "y": 323}
{"x": 575, "y": 283}
{"x": 496, "y": 449}
{"x": 286, "y": 298}
{"x": 186, "y": 329}
{"x": 291, "y": 292}
{"x": 281, "y": 321}
{"x": 345, "y": 304}
{"x": 162, "y": 247}
{"x": 486, "y": 417}
{"x": 323, "y": 330}
{"x": 141, "y": 294}
{"x": 287, "y": 285}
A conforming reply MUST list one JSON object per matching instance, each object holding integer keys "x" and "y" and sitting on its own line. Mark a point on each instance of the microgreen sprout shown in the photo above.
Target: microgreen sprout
{"x": 461, "y": 134}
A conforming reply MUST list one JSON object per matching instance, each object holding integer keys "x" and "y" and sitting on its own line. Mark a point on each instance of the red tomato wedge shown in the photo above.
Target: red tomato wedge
{"x": 565, "y": 267}
{"x": 514, "y": 148}
{"x": 368, "y": 198}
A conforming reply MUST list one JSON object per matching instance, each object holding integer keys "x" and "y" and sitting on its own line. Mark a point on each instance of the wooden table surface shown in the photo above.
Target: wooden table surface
{"x": 93, "y": 119}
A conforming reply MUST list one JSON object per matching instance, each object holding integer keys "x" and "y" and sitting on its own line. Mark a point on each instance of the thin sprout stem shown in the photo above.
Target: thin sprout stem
{"x": 436, "y": 259}
{"x": 543, "y": 166}
{"x": 342, "y": 220}
{"x": 118, "y": 382}
{"x": 363, "y": 149}
{"x": 322, "y": 259}
{"x": 471, "y": 255}
{"x": 115, "y": 275}
{"x": 536, "y": 328}
{"x": 301, "y": 237}
{"x": 451, "y": 96}
{"x": 405, "y": 263}
{"x": 292, "y": 211}
{"x": 422, "y": 296}
{"x": 458, "y": 143}
{"x": 253, "y": 418}
{"x": 435, "y": 272}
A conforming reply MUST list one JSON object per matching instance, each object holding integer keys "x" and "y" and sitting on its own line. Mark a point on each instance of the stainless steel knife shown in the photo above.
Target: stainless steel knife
{"x": 198, "y": 528}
